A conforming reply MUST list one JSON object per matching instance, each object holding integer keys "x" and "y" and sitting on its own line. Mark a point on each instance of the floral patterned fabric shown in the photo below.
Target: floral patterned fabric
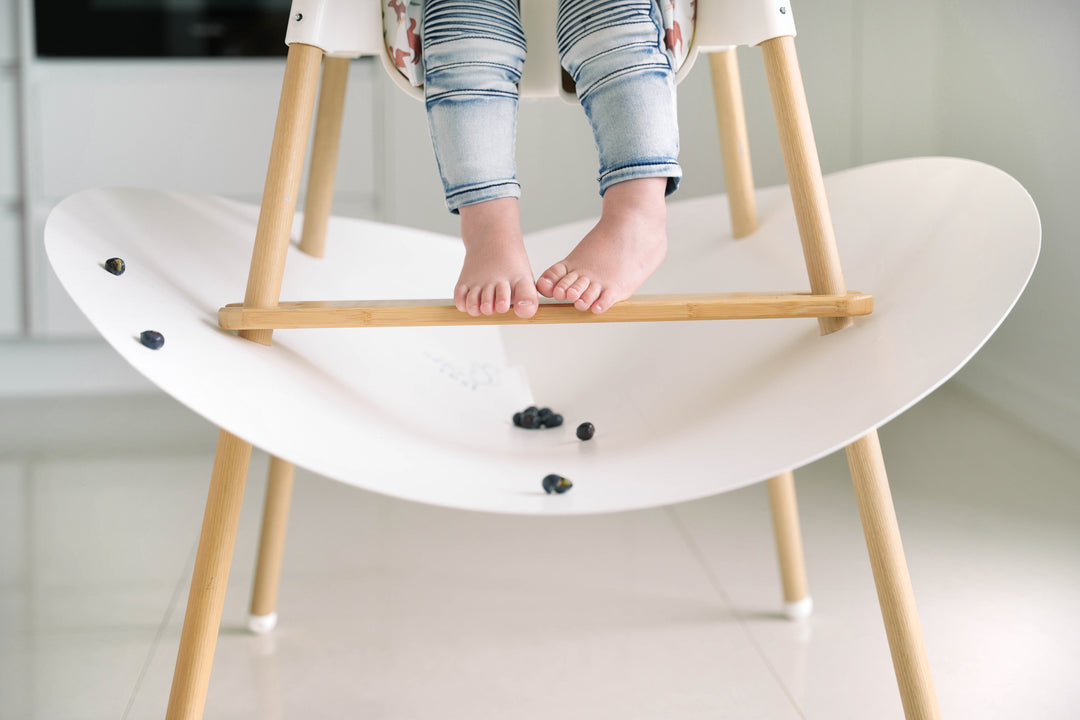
{"x": 401, "y": 30}
{"x": 402, "y": 18}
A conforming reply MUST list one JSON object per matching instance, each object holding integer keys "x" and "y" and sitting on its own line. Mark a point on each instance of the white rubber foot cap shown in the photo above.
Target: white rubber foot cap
{"x": 799, "y": 610}
{"x": 262, "y": 624}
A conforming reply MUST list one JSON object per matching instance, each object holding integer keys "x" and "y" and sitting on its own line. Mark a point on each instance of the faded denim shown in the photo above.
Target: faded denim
{"x": 474, "y": 52}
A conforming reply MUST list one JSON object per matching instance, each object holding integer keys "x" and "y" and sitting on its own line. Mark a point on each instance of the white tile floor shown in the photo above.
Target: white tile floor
{"x": 398, "y": 610}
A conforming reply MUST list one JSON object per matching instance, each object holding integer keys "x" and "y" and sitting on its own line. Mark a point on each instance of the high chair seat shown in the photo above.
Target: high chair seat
{"x": 390, "y": 30}
{"x": 681, "y": 410}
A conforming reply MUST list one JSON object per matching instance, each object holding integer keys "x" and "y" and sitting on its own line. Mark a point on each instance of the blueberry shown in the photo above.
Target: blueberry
{"x": 549, "y": 483}
{"x": 552, "y": 420}
{"x": 533, "y": 418}
{"x": 556, "y": 484}
{"x": 115, "y": 266}
{"x": 585, "y": 431}
{"x": 152, "y": 339}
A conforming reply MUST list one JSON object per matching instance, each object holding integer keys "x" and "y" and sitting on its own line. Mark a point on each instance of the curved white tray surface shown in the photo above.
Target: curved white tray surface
{"x": 682, "y": 410}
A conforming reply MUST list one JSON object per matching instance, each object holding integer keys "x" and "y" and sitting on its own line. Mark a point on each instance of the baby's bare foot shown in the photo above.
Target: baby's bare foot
{"x": 496, "y": 275}
{"x": 617, "y": 255}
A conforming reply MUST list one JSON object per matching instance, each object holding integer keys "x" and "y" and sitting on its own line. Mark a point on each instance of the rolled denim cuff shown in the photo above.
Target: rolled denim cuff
{"x": 457, "y": 199}
{"x": 474, "y": 53}
{"x": 625, "y": 82}
{"x": 668, "y": 169}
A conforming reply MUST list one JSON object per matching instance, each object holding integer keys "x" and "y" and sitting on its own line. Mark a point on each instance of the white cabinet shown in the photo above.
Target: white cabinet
{"x": 10, "y": 272}
{"x": 10, "y": 227}
{"x": 192, "y": 126}
{"x": 10, "y": 237}
{"x": 202, "y": 126}
{"x": 8, "y": 50}
{"x": 9, "y": 136}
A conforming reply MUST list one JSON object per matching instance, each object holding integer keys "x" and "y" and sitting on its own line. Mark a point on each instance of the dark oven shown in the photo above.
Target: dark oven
{"x": 160, "y": 28}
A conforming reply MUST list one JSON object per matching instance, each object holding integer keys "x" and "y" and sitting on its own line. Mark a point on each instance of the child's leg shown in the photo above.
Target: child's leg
{"x": 473, "y": 56}
{"x": 614, "y": 49}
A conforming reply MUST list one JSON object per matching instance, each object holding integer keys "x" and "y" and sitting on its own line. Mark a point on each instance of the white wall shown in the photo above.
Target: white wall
{"x": 1008, "y": 86}
{"x": 995, "y": 80}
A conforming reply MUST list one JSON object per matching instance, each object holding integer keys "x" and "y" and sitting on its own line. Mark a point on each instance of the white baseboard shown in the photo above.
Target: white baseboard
{"x": 50, "y": 368}
{"x": 1030, "y": 400}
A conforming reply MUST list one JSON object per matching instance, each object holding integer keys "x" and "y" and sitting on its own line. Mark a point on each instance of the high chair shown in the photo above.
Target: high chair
{"x": 946, "y": 245}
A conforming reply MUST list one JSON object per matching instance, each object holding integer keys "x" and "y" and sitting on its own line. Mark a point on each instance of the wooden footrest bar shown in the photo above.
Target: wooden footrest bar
{"x": 640, "y": 308}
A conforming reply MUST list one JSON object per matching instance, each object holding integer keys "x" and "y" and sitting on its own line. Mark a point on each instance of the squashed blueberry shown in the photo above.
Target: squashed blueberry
{"x": 556, "y": 484}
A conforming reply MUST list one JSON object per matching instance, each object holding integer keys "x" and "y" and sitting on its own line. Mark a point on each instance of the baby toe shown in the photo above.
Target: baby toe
{"x": 559, "y": 291}
{"x": 502, "y": 296}
{"x": 472, "y": 302}
{"x": 576, "y": 288}
{"x": 606, "y": 300}
{"x": 546, "y": 283}
{"x": 487, "y": 299}
{"x": 524, "y": 299}
{"x": 588, "y": 297}
{"x": 461, "y": 292}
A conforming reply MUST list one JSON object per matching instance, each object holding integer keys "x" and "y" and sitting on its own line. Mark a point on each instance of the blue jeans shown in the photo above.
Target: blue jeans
{"x": 474, "y": 52}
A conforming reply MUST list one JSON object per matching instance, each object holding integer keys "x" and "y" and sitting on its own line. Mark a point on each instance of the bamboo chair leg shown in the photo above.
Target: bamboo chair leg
{"x": 324, "y": 155}
{"x": 320, "y": 196}
{"x": 263, "y": 614}
{"x": 892, "y": 579}
{"x": 864, "y": 455}
{"x": 804, "y": 173}
{"x": 798, "y": 603}
{"x": 282, "y": 182}
{"x": 198, "y": 639}
{"x": 734, "y": 146}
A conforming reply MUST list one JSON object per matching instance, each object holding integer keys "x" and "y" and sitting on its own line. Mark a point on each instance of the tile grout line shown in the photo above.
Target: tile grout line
{"x": 174, "y": 600}
{"x": 695, "y": 550}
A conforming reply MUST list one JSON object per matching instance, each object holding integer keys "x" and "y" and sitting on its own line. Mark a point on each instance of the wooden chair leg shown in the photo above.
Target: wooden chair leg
{"x": 282, "y": 182}
{"x": 199, "y": 636}
{"x": 320, "y": 196}
{"x": 734, "y": 146}
{"x": 864, "y": 455}
{"x": 324, "y": 155}
{"x": 892, "y": 579}
{"x": 206, "y": 598}
{"x": 263, "y": 615}
{"x": 785, "y": 516}
{"x": 804, "y": 173}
